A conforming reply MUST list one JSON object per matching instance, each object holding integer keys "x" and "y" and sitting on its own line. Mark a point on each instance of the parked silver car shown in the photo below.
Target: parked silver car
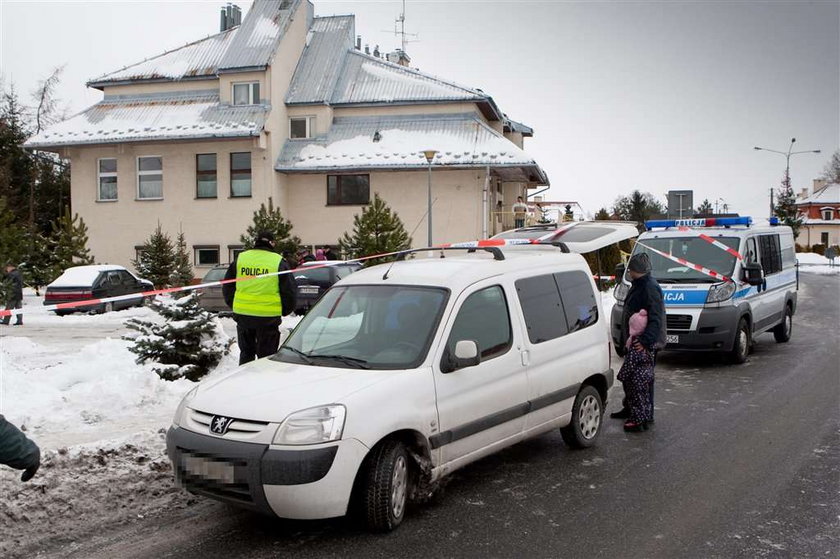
{"x": 211, "y": 298}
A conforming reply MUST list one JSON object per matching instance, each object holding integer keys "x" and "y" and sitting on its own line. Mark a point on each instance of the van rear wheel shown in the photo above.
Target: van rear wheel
{"x": 782, "y": 332}
{"x": 587, "y": 412}
{"x": 386, "y": 488}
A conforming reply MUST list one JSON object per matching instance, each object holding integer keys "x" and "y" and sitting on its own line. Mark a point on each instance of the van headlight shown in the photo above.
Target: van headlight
{"x": 322, "y": 424}
{"x": 720, "y": 292}
{"x": 620, "y": 292}
{"x": 179, "y": 411}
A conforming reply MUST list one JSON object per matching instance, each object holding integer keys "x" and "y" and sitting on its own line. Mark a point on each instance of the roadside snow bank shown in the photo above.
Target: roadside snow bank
{"x": 814, "y": 263}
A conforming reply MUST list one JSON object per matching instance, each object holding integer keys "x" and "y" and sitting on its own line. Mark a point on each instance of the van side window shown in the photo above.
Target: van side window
{"x": 751, "y": 253}
{"x": 578, "y": 300}
{"x": 542, "y": 308}
{"x": 484, "y": 318}
{"x": 771, "y": 253}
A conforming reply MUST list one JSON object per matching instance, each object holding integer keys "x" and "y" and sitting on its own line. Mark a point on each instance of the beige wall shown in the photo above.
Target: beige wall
{"x": 456, "y": 210}
{"x": 163, "y": 87}
{"x": 115, "y": 228}
{"x": 810, "y": 235}
{"x": 226, "y": 81}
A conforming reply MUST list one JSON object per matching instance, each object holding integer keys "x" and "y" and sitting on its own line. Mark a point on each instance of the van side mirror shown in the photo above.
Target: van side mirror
{"x": 620, "y": 269}
{"x": 752, "y": 273}
{"x": 466, "y": 355}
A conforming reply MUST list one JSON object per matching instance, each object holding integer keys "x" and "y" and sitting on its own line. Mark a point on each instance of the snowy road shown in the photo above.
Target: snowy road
{"x": 743, "y": 461}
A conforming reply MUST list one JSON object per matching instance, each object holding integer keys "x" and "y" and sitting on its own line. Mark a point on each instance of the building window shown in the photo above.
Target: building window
{"x": 301, "y": 127}
{"x": 205, "y": 175}
{"x": 827, "y": 213}
{"x": 246, "y": 93}
{"x": 348, "y": 189}
{"x": 107, "y": 190}
{"x": 234, "y": 251}
{"x": 824, "y": 239}
{"x": 240, "y": 174}
{"x": 206, "y": 255}
{"x": 150, "y": 178}
{"x": 139, "y": 251}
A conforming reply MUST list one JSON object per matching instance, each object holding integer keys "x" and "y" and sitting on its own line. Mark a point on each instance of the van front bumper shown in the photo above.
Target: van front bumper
{"x": 292, "y": 482}
{"x": 715, "y": 330}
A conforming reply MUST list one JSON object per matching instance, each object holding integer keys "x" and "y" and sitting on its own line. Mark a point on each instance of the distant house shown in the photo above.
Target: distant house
{"x": 286, "y": 107}
{"x": 821, "y": 210}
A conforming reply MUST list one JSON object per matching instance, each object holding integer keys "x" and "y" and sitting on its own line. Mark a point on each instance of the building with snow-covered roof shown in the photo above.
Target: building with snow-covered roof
{"x": 820, "y": 208}
{"x": 284, "y": 107}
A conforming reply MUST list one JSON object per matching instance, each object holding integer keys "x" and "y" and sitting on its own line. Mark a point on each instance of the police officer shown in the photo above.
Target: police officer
{"x": 258, "y": 304}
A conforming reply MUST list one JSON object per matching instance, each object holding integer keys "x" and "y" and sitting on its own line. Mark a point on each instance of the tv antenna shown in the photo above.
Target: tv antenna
{"x": 399, "y": 29}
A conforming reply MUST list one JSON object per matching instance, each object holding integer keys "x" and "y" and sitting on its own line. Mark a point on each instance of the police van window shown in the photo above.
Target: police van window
{"x": 483, "y": 318}
{"x": 578, "y": 299}
{"x": 771, "y": 253}
{"x": 545, "y": 318}
{"x": 751, "y": 254}
{"x": 695, "y": 251}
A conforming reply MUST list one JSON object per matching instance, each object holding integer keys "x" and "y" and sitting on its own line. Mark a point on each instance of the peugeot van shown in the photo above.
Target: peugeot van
{"x": 725, "y": 281}
{"x": 399, "y": 375}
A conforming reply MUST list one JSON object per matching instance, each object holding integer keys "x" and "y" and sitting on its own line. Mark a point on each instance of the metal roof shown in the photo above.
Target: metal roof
{"x": 190, "y": 115}
{"x": 367, "y": 79}
{"x": 197, "y": 59}
{"x": 828, "y": 194}
{"x": 322, "y": 60}
{"x": 260, "y": 33}
{"x": 462, "y": 141}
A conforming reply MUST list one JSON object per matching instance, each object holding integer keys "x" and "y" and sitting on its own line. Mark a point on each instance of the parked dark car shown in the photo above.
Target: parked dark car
{"x": 211, "y": 298}
{"x": 96, "y": 282}
{"x": 313, "y": 283}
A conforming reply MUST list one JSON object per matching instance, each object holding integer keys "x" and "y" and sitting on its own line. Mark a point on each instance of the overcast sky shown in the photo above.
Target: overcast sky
{"x": 621, "y": 95}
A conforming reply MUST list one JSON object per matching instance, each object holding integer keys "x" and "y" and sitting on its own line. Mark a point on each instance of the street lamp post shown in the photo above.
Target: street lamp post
{"x": 430, "y": 155}
{"x": 787, "y": 155}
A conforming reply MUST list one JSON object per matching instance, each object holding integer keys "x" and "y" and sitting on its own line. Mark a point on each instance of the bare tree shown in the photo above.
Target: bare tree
{"x": 46, "y": 103}
{"x": 831, "y": 173}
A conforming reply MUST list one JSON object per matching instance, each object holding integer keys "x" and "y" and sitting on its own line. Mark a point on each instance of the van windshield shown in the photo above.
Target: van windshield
{"x": 692, "y": 249}
{"x": 367, "y": 327}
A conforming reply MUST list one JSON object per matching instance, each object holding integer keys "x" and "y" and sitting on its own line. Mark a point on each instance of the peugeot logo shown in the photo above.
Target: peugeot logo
{"x": 219, "y": 424}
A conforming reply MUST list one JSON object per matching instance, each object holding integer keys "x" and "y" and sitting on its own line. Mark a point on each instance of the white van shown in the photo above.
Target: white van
{"x": 725, "y": 281}
{"x": 399, "y": 375}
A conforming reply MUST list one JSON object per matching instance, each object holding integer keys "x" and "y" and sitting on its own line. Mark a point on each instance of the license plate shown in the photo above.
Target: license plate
{"x": 208, "y": 468}
{"x": 308, "y": 290}
{"x": 672, "y": 339}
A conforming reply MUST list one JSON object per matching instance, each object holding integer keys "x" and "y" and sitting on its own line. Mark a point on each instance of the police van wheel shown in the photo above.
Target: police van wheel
{"x": 782, "y": 332}
{"x": 741, "y": 347}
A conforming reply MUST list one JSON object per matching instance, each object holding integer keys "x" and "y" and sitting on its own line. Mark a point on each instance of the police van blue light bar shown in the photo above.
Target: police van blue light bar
{"x": 773, "y": 220}
{"x": 699, "y": 222}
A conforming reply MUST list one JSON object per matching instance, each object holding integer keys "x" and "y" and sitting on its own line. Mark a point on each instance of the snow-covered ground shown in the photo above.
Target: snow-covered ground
{"x": 813, "y": 263}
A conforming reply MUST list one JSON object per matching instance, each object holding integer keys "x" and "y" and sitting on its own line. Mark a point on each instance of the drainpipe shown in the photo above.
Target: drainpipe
{"x": 484, "y": 195}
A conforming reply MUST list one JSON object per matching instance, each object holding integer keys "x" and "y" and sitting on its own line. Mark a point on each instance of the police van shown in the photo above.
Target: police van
{"x": 725, "y": 281}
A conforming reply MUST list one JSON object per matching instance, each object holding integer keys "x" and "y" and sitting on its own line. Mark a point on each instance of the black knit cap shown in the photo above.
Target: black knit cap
{"x": 640, "y": 263}
{"x": 264, "y": 238}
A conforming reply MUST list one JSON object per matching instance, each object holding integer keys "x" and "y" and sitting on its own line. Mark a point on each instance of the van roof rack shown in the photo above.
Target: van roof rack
{"x": 495, "y": 251}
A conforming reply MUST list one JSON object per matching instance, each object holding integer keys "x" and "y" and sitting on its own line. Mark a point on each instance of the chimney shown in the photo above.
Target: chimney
{"x": 237, "y": 15}
{"x": 358, "y": 42}
{"x": 376, "y": 51}
{"x": 819, "y": 183}
{"x": 231, "y": 16}
{"x": 398, "y": 57}
{"x": 367, "y": 49}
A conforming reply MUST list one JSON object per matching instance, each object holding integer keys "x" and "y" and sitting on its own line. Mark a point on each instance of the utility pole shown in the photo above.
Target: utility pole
{"x": 772, "y": 207}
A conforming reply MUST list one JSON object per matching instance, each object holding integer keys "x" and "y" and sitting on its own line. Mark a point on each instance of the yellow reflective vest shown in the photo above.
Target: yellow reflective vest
{"x": 258, "y": 297}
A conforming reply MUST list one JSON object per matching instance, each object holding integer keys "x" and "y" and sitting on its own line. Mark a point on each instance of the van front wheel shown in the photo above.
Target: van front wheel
{"x": 782, "y": 332}
{"x": 587, "y": 412}
{"x": 741, "y": 347}
{"x": 386, "y": 486}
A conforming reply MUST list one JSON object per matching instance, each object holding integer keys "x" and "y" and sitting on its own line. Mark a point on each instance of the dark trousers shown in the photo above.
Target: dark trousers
{"x": 257, "y": 341}
{"x": 14, "y": 304}
{"x": 517, "y": 223}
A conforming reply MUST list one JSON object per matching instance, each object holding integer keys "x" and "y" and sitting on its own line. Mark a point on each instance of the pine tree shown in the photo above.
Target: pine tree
{"x": 377, "y": 230}
{"x": 12, "y": 236}
{"x": 17, "y": 168}
{"x": 68, "y": 244}
{"x": 638, "y": 207}
{"x": 603, "y": 214}
{"x": 785, "y": 207}
{"x": 156, "y": 261}
{"x": 38, "y": 268}
{"x": 187, "y": 343}
{"x": 705, "y": 208}
{"x": 269, "y": 218}
{"x": 183, "y": 272}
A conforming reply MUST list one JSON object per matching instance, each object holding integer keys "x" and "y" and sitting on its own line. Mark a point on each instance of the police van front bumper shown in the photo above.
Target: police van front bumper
{"x": 712, "y": 329}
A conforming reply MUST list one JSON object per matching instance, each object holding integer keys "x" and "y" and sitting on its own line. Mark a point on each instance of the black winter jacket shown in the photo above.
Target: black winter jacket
{"x": 16, "y": 450}
{"x": 646, "y": 294}
{"x": 17, "y": 285}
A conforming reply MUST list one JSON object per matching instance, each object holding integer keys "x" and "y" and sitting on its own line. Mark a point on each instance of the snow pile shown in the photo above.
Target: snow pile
{"x": 813, "y": 263}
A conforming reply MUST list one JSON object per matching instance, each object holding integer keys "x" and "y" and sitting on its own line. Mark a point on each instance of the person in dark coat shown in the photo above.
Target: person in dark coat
{"x": 259, "y": 304}
{"x": 637, "y": 374}
{"x": 15, "y": 300}
{"x": 328, "y": 253}
{"x": 17, "y": 451}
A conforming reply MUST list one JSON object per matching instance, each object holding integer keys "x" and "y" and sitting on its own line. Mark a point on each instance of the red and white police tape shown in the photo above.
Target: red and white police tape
{"x": 684, "y": 262}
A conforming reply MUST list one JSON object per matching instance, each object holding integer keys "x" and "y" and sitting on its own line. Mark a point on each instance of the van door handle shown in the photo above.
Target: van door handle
{"x": 526, "y": 358}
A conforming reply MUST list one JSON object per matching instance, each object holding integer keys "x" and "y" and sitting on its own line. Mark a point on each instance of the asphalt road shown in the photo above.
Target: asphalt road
{"x": 744, "y": 461}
